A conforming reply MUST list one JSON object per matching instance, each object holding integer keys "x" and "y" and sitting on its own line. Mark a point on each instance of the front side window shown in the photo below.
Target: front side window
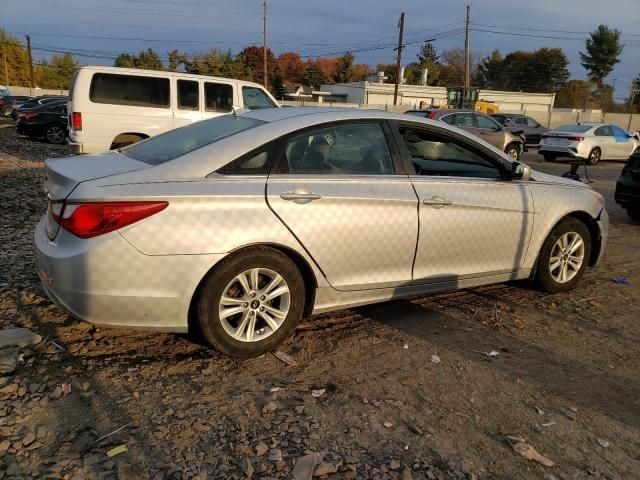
{"x": 436, "y": 155}
{"x": 218, "y": 97}
{"x": 487, "y": 122}
{"x": 131, "y": 90}
{"x": 532, "y": 123}
{"x": 188, "y": 95}
{"x": 351, "y": 149}
{"x": 174, "y": 143}
{"x": 255, "y": 98}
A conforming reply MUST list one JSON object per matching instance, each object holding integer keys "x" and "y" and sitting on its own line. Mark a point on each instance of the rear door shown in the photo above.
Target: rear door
{"x": 341, "y": 190}
{"x": 474, "y": 221}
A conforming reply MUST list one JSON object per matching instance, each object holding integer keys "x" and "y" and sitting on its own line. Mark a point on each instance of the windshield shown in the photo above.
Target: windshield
{"x": 418, "y": 113}
{"x": 183, "y": 140}
{"x": 574, "y": 128}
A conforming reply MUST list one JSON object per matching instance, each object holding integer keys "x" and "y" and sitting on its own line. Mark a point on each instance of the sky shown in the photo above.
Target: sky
{"x": 97, "y": 30}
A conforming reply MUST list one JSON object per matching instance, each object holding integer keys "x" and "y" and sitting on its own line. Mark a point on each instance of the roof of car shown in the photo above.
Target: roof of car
{"x": 333, "y": 113}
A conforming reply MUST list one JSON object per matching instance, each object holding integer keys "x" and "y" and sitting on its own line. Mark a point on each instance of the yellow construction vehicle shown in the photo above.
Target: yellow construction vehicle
{"x": 467, "y": 98}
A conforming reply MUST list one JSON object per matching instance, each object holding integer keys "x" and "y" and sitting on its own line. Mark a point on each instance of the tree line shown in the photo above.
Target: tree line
{"x": 543, "y": 70}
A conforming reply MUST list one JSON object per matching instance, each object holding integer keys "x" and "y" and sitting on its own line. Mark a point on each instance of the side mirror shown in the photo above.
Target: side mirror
{"x": 520, "y": 171}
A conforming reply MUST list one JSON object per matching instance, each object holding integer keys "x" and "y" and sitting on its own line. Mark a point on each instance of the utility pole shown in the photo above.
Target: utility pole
{"x": 467, "y": 51}
{"x": 6, "y": 68}
{"x": 398, "y": 58}
{"x": 32, "y": 82}
{"x": 634, "y": 92}
{"x": 264, "y": 52}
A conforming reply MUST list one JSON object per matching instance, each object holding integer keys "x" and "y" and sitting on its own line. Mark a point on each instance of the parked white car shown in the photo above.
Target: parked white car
{"x": 591, "y": 142}
{"x": 111, "y": 107}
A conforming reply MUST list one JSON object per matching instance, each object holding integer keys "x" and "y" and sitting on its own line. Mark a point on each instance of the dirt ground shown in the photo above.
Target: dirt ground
{"x": 409, "y": 390}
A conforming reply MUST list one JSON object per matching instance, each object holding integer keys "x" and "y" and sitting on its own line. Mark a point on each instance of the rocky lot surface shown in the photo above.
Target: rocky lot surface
{"x": 460, "y": 385}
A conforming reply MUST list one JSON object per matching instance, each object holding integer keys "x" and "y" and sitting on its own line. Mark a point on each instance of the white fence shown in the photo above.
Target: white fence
{"x": 36, "y": 91}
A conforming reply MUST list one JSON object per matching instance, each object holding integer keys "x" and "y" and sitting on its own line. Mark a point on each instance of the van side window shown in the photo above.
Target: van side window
{"x": 255, "y": 98}
{"x": 129, "y": 90}
{"x": 188, "y": 95}
{"x": 218, "y": 97}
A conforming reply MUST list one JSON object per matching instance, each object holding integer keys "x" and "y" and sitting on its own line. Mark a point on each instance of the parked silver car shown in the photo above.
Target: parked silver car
{"x": 591, "y": 142}
{"x": 240, "y": 225}
{"x": 477, "y": 124}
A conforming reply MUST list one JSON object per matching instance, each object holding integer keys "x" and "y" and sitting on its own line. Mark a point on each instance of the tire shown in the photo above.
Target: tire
{"x": 634, "y": 213}
{"x": 242, "y": 306}
{"x": 594, "y": 156}
{"x": 6, "y": 111}
{"x": 549, "y": 278}
{"x": 549, "y": 157}
{"x": 513, "y": 151}
{"x": 55, "y": 134}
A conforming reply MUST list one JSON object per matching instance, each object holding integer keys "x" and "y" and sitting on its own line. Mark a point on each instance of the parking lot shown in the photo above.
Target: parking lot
{"x": 404, "y": 389}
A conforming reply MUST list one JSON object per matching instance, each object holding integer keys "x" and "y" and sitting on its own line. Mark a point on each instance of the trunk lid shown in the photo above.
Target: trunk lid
{"x": 64, "y": 174}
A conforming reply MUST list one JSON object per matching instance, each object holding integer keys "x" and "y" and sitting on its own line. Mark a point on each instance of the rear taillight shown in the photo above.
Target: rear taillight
{"x": 432, "y": 114}
{"x": 577, "y": 139}
{"x": 27, "y": 115}
{"x": 76, "y": 121}
{"x": 86, "y": 220}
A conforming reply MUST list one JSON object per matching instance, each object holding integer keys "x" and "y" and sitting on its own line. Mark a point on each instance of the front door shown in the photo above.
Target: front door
{"x": 473, "y": 220}
{"x": 341, "y": 191}
{"x": 489, "y": 130}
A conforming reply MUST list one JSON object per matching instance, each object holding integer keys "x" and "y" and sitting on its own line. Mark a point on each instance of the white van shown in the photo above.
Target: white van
{"x": 110, "y": 107}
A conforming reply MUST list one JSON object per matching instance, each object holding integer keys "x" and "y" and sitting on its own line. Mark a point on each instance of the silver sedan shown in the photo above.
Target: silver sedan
{"x": 238, "y": 226}
{"x": 591, "y": 142}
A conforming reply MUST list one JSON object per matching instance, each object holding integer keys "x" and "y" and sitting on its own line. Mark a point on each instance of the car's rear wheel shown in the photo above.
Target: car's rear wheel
{"x": 564, "y": 256}
{"x": 251, "y": 303}
{"x": 634, "y": 213}
{"x": 513, "y": 151}
{"x": 6, "y": 111}
{"x": 594, "y": 156}
{"x": 549, "y": 157}
{"x": 55, "y": 134}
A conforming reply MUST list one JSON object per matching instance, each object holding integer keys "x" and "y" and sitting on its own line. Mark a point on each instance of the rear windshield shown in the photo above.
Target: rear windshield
{"x": 175, "y": 143}
{"x": 574, "y": 128}
{"x": 418, "y": 113}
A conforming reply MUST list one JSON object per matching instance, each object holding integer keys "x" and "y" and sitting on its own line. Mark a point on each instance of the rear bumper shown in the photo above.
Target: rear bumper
{"x": 75, "y": 148}
{"x": 574, "y": 150}
{"x": 627, "y": 192}
{"x": 107, "y": 282}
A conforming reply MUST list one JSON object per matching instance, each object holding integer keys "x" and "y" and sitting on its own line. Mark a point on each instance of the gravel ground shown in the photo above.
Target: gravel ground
{"x": 407, "y": 388}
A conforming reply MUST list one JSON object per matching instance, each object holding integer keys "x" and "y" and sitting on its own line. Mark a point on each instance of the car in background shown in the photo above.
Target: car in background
{"x": 477, "y": 124}
{"x": 34, "y": 103}
{"x": 588, "y": 141}
{"x": 112, "y": 107}
{"x": 628, "y": 186}
{"x": 4, "y": 91}
{"x": 6, "y": 103}
{"x": 49, "y": 121}
{"x": 230, "y": 226}
{"x": 530, "y": 127}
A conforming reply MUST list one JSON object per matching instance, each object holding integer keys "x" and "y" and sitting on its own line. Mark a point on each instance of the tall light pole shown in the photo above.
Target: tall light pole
{"x": 467, "y": 50}
{"x": 398, "y": 59}
{"x": 32, "y": 81}
{"x": 264, "y": 48}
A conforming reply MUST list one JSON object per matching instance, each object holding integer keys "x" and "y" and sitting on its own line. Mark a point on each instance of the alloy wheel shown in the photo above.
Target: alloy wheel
{"x": 567, "y": 256}
{"x": 55, "y": 134}
{"x": 254, "y": 304}
{"x": 594, "y": 156}
{"x": 513, "y": 153}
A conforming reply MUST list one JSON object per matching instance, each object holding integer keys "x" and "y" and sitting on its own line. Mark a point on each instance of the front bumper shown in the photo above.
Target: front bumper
{"x": 627, "y": 192}
{"x": 603, "y": 225}
{"x": 107, "y": 282}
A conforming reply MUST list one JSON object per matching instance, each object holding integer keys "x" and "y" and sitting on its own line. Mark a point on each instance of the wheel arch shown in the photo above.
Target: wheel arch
{"x": 127, "y": 137}
{"x": 594, "y": 232}
{"x": 308, "y": 276}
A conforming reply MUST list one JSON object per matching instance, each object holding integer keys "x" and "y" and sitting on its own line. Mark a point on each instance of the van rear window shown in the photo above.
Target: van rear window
{"x": 132, "y": 90}
{"x": 174, "y": 143}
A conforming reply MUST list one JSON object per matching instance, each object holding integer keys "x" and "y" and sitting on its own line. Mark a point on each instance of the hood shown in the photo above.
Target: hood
{"x": 556, "y": 180}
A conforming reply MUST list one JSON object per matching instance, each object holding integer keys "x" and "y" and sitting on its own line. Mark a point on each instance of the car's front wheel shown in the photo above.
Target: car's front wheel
{"x": 251, "y": 303}
{"x": 634, "y": 213}
{"x": 55, "y": 134}
{"x": 549, "y": 157}
{"x": 513, "y": 151}
{"x": 564, "y": 256}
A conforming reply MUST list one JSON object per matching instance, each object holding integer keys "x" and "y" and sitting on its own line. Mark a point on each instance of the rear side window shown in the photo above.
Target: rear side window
{"x": 487, "y": 122}
{"x": 188, "y": 95}
{"x": 174, "y": 143}
{"x": 255, "y": 98}
{"x": 604, "y": 131}
{"x": 254, "y": 163}
{"x": 131, "y": 90}
{"x": 218, "y": 97}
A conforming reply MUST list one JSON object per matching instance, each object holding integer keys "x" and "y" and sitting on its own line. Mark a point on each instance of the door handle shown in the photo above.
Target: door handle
{"x": 437, "y": 202}
{"x": 300, "y": 196}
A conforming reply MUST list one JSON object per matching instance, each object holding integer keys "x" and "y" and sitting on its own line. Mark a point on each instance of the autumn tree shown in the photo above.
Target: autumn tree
{"x": 452, "y": 69}
{"x": 314, "y": 76}
{"x": 17, "y": 60}
{"x": 252, "y": 58}
{"x": 291, "y": 67}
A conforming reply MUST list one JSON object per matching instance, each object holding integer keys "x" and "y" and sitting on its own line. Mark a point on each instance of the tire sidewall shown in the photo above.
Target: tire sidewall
{"x": 544, "y": 274}
{"x": 512, "y": 146}
{"x": 46, "y": 134}
{"x": 209, "y": 324}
